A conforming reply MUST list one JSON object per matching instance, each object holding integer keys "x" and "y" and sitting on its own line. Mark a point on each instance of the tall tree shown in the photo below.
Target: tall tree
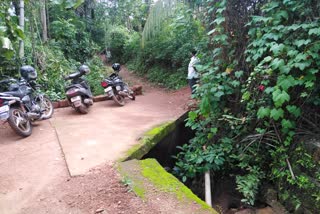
{"x": 43, "y": 17}
{"x": 21, "y": 23}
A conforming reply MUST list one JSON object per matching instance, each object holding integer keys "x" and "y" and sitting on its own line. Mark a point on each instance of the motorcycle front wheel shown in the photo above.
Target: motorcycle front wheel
{"x": 18, "y": 122}
{"x": 117, "y": 98}
{"x": 46, "y": 104}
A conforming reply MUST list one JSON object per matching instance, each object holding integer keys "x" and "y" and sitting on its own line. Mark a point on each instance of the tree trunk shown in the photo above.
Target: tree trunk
{"x": 43, "y": 16}
{"x": 33, "y": 43}
{"x": 48, "y": 21}
{"x": 21, "y": 23}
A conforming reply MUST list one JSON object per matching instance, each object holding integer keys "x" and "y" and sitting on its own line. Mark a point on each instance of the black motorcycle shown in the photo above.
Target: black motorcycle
{"x": 115, "y": 88}
{"x": 78, "y": 92}
{"x": 23, "y": 103}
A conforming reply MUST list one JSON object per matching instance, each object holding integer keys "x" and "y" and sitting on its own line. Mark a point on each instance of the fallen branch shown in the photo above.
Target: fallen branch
{"x": 290, "y": 169}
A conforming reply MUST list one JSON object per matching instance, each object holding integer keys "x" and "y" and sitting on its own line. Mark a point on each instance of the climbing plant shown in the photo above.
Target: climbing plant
{"x": 10, "y": 33}
{"x": 259, "y": 89}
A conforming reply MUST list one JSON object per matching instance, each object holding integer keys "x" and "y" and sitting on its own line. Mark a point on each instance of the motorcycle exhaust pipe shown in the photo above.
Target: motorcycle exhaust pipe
{"x": 33, "y": 116}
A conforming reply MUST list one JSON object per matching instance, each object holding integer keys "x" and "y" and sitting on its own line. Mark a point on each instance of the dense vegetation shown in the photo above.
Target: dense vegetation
{"x": 259, "y": 91}
{"x": 259, "y": 99}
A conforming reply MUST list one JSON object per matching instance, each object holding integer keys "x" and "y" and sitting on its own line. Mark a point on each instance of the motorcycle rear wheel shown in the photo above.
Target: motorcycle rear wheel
{"x": 48, "y": 106}
{"x": 132, "y": 96}
{"x": 83, "y": 109}
{"x": 117, "y": 98}
{"x": 18, "y": 122}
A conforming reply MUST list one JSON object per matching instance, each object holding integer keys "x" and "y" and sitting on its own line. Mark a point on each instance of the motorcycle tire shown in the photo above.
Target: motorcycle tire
{"x": 83, "y": 109}
{"x": 16, "y": 116}
{"x": 117, "y": 98}
{"x": 47, "y": 104}
{"x": 132, "y": 96}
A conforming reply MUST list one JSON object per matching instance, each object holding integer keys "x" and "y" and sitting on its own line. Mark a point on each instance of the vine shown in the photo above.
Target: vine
{"x": 258, "y": 87}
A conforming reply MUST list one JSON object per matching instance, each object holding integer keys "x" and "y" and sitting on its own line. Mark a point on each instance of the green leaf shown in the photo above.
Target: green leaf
{"x": 277, "y": 63}
{"x": 267, "y": 59}
{"x": 294, "y": 27}
{"x": 214, "y": 130}
{"x": 238, "y": 74}
{"x": 277, "y": 48}
{"x": 263, "y": 112}
{"x": 292, "y": 53}
{"x": 219, "y": 20}
{"x": 315, "y": 31}
{"x": 302, "y": 65}
{"x": 269, "y": 90}
{"x": 193, "y": 115}
{"x": 302, "y": 42}
{"x": 285, "y": 82}
{"x": 296, "y": 111}
{"x": 287, "y": 124}
{"x": 205, "y": 105}
{"x": 304, "y": 94}
{"x": 276, "y": 114}
{"x": 260, "y": 19}
{"x": 301, "y": 57}
{"x": 279, "y": 97}
{"x": 313, "y": 71}
{"x": 246, "y": 95}
{"x": 283, "y": 14}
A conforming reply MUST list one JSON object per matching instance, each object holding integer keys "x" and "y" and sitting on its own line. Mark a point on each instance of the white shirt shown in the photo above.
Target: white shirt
{"x": 192, "y": 73}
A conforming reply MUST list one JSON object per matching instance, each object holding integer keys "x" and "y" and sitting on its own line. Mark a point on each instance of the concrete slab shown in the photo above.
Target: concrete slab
{"x": 107, "y": 131}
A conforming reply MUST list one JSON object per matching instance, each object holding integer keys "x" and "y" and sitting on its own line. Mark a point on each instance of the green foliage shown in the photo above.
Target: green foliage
{"x": 248, "y": 184}
{"x": 118, "y": 37}
{"x": 254, "y": 104}
{"x": 165, "y": 57}
{"x": 10, "y": 33}
{"x": 73, "y": 40}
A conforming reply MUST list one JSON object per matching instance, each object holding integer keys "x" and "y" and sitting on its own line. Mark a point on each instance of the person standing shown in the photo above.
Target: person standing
{"x": 193, "y": 76}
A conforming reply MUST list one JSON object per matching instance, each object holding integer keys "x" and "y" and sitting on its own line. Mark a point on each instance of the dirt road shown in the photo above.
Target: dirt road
{"x": 34, "y": 172}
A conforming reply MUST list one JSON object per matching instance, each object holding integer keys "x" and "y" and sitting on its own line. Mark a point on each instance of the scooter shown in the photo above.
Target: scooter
{"x": 78, "y": 92}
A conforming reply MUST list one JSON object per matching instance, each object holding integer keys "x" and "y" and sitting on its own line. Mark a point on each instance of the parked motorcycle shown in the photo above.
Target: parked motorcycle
{"x": 78, "y": 92}
{"x": 115, "y": 88}
{"x": 23, "y": 103}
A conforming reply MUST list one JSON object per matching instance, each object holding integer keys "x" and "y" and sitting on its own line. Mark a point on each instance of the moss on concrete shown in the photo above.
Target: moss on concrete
{"x": 149, "y": 140}
{"x": 166, "y": 182}
{"x": 145, "y": 175}
{"x": 134, "y": 183}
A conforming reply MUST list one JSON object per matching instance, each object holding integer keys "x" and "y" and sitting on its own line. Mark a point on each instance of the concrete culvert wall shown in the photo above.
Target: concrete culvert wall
{"x": 166, "y": 148}
{"x": 225, "y": 197}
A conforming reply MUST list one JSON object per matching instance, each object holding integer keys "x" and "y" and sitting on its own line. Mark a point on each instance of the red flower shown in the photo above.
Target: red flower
{"x": 261, "y": 87}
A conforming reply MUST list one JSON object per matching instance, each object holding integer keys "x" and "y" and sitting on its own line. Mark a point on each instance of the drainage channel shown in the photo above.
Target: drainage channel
{"x": 225, "y": 197}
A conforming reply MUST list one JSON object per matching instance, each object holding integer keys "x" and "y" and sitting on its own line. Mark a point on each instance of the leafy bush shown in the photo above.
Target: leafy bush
{"x": 255, "y": 106}
{"x": 118, "y": 37}
{"x": 166, "y": 55}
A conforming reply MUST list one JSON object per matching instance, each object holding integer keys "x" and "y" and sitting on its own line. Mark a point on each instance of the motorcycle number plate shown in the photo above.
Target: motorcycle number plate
{"x": 108, "y": 89}
{"x": 74, "y": 99}
{"x": 4, "y": 109}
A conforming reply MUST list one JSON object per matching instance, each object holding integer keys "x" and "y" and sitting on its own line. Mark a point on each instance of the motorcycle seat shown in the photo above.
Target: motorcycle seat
{"x": 73, "y": 86}
{"x": 13, "y": 94}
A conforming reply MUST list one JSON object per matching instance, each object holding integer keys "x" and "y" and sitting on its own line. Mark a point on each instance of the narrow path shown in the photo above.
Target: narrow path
{"x": 34, "y": 176}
